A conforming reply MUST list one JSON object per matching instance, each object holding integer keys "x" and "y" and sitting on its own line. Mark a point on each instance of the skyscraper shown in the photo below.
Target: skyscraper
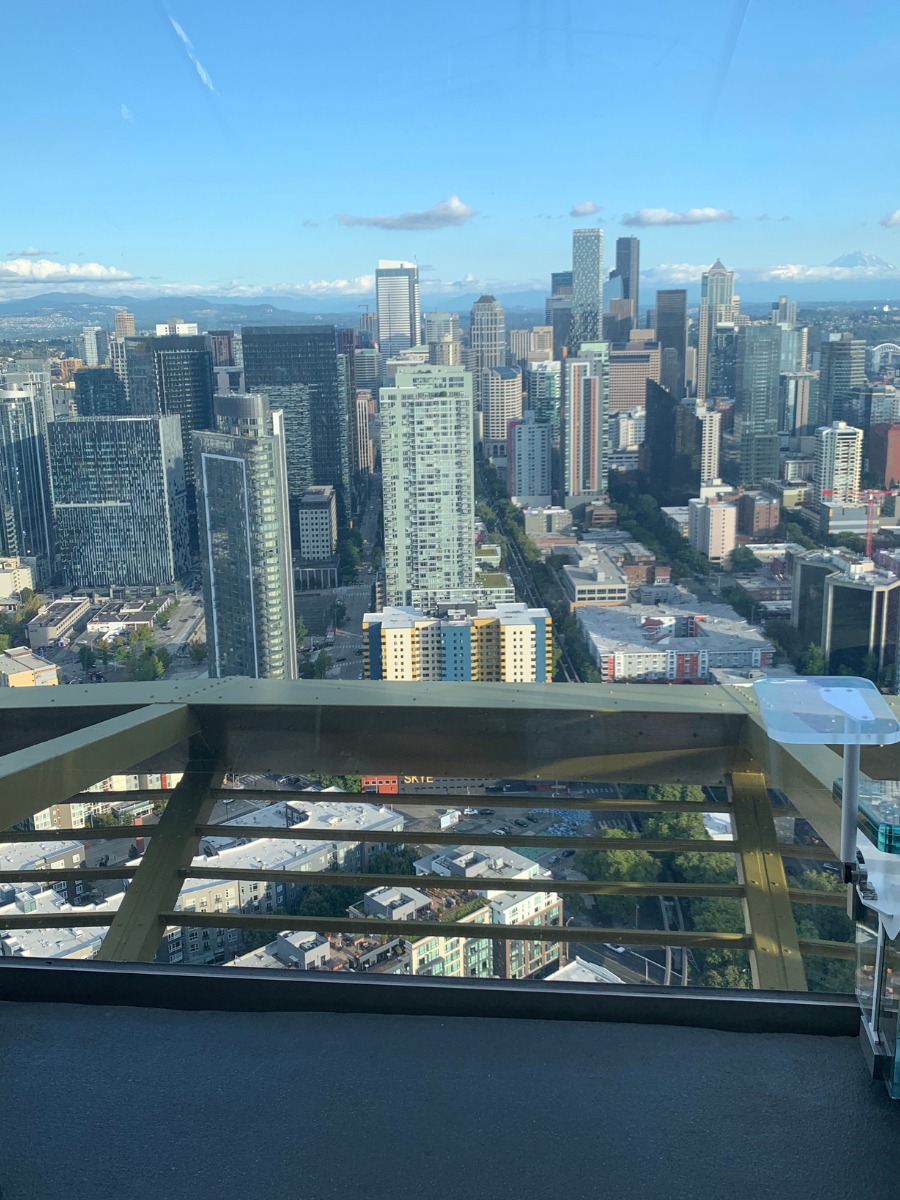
{"x": 99, "y": 392}
{"x": 839, "y": 449}
{"x": 301, "y": 362}
{"x": 631, "y": 364}
{"x": 501, "y": 391}
{"x": 756, "y": 407}
{"x": 528, "y": 462}
{"x": 716, "y": 305}
{"x": 842, "y": 367}
{"x": 681, "y": 446}
{"x": 397, "y": 299}
{"x": 627, "y": 270}
{"x": 221, "y": 342}
{"x": 248, "y": 587}
{"x": 587, "y": 287}
{"x": 428, "y": 480}
{"x": 119, "y": 500}
{"x": 487, "y": 344}
{"x": 671, "y": 333}
{"x": 542, "y": 388}
{"x": 93, "y": 339}
{"x": 26, "y": 515}
{"x": 585, "y": 409}
{"x": 784, "y": 312}
{"x": 123, "y": 323}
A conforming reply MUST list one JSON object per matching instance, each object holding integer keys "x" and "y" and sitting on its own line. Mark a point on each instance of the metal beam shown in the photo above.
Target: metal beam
{"x": 138, "y": 927}
{"x": 50, "y": 772}
{"x": 275, "y": 922}
{"x": 775, "y": 960}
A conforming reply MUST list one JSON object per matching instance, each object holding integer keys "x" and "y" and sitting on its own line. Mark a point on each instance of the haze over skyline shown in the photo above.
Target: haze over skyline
{"x": 283, "y": 156}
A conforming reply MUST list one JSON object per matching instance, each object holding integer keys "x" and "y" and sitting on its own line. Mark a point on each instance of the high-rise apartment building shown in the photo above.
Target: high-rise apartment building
{"x": 631, "y": 364}
{"x": 710, "y": 444}
{"x": 119, "y": 500}
{"x": 510, "y": 643}
{"x": 99, "y": 392}
{"x": 501, "y": 392}
{"x": 93, "y": 340}
{"x": 297, "y": 367}
{"x": 584, "y": 438}
{"x": 784, "y": 312}
{"x": 26, "y": 514}
{"x": 367, "y": 368}
{"x": 839, "y": 449}
{"x": 716, "y": 305}
{"x": 519, "y": 344}
{"x": 123, "y": 323}
{"x": 248, "y": 586}
{"x": 628, "y": 271}
{"x": 797, "y": 402}
{"x": 365, "y": 457}
{"x": 671, "y": 333}
{"x": 756, "y": 407}
{"x": 712, "y": 528}
{"x": 428, "y": 481}
{"x": 542, "y": 393}
{"x": 442, "y": 338}
{"x": 842, "y": 367}
{"x": 528, "y": 461}
{"x": 318, "y": 523}
{"x": 587, "y": 287}
{"x": 397, "y": 300}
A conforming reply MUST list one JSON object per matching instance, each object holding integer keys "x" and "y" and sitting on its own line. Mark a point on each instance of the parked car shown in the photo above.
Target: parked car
{"x": 522, "y": 824}
{"x": 485, "y": 812}
{"x": 567, "y": 853}
{"x": 499, "y": 832}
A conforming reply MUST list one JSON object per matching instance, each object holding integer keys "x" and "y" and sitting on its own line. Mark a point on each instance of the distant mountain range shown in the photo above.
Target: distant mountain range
{"x": 873, "y": 280}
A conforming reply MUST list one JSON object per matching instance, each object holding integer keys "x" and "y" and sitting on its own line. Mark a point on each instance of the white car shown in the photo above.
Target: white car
{"x": 470, "y": 812}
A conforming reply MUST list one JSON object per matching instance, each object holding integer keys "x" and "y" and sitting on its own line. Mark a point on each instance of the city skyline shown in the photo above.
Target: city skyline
{"x": 153, "y": 226}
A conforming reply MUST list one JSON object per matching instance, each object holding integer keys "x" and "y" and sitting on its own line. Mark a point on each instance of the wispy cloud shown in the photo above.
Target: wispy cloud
{"x": 44, "y": 270}
{"x": 584, "y": 208}
{"x": 127, "y": 114}
{"x": 309, "y": 223}
{"x": 665, "y": 216}
{"x": 205, "y": 78}
{"x": 889, "y": 220}
{"x": 681, "y": 274}
{"x": 764, "y": 217}
{"x": 448, "y": 212}
{"x": 30, "y": 252}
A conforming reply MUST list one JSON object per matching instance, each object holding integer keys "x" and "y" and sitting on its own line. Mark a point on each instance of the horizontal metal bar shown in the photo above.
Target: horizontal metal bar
{"x": 276, "y": 922}
{"x": 86, "y": 834}
{"x": 807, "y": 896}
{"x": 818, "y": 948}
{"x": 61, "y": 874}
{"x": 427, "y": 837}
{"x": 586, "y": 887}
{"x": 77, "y": 918}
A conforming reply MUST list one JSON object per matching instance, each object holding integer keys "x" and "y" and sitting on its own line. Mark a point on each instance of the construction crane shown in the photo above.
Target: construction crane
{"x": 872, "y": 499}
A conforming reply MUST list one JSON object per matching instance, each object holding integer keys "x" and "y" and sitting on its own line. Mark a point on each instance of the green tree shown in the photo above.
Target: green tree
{"x": 813, "y": 661}
{"x": 629, "y": 865}
{"x": 4, "y": 642}
{"x": 743, "y": 559}
{"x": 103, "y": 650}
{"x": 321, "y": 665}
{"x": 86, "y": 657}
{"x": 197, "y": 652}
{"x": 302, "y": 631}
{"x": 26, "y": 596}
{"x": 164, "y": 656}
{"x": 397, "y": 860}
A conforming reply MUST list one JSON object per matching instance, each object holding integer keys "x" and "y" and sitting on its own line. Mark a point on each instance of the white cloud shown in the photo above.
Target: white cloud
{"x": 189, "y": 50}
{"x": 44, "y": 270}
{"x": 584, "y": 208}
{"x": 447, "y": 212}
{"x": 681, "y": 274}
{"x": 30, "y": 252}
{"x": 889, "y": 220}
{"x": 127, "y": 114}
{"x": 665, "y": 216}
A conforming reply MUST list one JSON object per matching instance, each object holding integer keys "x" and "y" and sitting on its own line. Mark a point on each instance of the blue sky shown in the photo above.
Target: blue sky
{"x": 245, "y": 149}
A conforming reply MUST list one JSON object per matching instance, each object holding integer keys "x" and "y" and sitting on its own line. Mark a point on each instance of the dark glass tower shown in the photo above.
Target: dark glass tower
{"x": 99, "y": 392}
{"x": 301, "y": 362}
{"x": 842, "y": 368}
{"x": 671, "y": 456}
{"x": 756, "y": 407}
{"x": 119, "y": 500}
{"x": 26, "y": 515}
{"x": 671, "y": 333}
{"x": 627, "y": 269}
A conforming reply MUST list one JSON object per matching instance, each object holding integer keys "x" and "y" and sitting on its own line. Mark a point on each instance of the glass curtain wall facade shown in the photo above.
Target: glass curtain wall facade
{"x": 26, "y": 515}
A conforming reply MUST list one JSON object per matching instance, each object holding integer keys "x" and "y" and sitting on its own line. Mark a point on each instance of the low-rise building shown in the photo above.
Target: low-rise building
{"x": 20, "y": 668}
{"x": 712, "y": 528}
{"x": 121, "y": 617}
{"x": 551, "y": 519}
{"x": 38, "y": 855}
{"x": 57, "y": 621}
{"x": 671, "y": 644}
{"x": 597, "y": 580}
{"x": 15, "y": 575}
{"x": 509, "y": 643}
{"x": 296, "y": 950}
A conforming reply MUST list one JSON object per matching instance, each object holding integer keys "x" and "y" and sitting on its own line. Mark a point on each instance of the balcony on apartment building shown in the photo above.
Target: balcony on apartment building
{"x": 619, "y": 1068}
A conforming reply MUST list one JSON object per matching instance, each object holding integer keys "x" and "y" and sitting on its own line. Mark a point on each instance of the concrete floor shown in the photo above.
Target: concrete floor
{"x": 119, "y": 1104}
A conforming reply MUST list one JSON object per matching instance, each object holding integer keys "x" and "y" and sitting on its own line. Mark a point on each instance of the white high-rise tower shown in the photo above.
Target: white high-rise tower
{"x": 428, "y": 480}
{"x": 397, "y": 297}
